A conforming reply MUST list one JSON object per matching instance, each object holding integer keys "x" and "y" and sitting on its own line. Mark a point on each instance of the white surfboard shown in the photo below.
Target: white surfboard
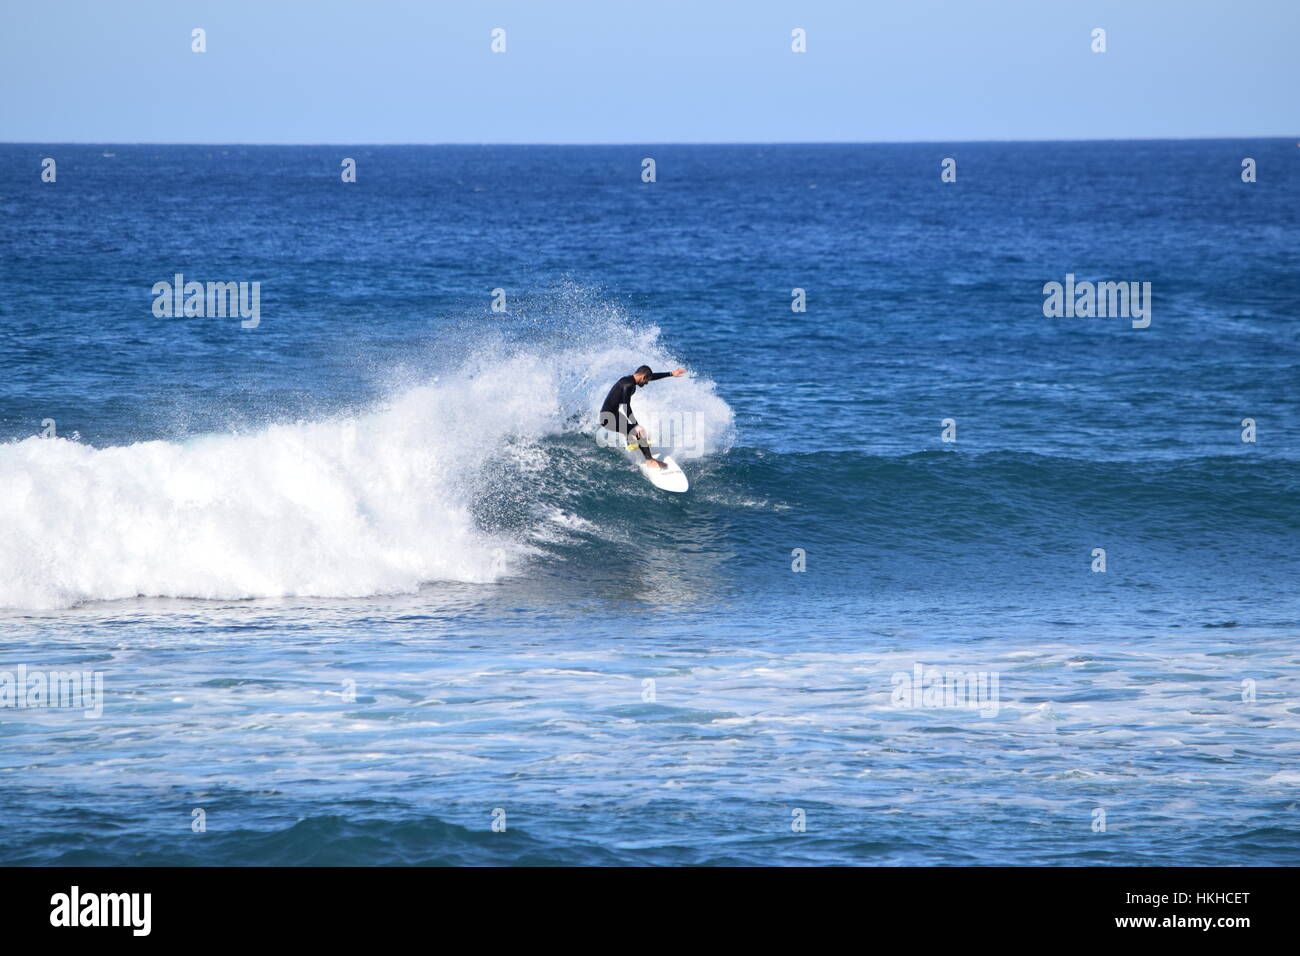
{"x": 671, "y": 478}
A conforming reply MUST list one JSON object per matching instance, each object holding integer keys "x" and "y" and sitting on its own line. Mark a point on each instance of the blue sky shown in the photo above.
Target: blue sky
{"x": 616, "y": 71}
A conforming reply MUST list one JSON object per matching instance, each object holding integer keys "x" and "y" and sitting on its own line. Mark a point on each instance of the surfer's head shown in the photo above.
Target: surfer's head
{"x": 642, "y": 375}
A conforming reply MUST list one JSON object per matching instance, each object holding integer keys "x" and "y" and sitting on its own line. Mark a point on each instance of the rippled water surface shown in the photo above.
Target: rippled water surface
{"x": 358, "y": 582}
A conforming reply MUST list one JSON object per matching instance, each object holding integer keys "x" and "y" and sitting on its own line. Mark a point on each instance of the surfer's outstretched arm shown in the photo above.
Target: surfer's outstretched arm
{"x": 656, "y": 376}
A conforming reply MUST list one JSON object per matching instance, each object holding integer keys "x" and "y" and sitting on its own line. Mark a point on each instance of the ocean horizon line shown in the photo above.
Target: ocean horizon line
{"x": 827, "y": 142}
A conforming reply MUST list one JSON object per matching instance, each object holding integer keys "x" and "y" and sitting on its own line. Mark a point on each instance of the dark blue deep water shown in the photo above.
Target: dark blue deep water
{"x": 357, "y": 581}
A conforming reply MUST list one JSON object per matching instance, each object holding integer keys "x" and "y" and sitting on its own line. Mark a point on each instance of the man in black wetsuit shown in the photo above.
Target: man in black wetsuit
{"x": 616, "y": 413}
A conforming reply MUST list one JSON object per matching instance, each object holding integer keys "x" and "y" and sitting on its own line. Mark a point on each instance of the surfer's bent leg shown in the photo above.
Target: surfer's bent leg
{"x": 632, "y": 434}
{"x": 638, "y": 436}
{"x": 628, "y": 431}
{"x": 634, "y": 437}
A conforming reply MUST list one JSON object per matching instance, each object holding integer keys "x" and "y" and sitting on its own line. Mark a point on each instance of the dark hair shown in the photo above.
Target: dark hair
{"x": 643, "y": 370}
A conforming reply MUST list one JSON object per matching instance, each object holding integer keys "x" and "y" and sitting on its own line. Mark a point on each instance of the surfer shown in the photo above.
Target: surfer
{"x": 616, "y": 413}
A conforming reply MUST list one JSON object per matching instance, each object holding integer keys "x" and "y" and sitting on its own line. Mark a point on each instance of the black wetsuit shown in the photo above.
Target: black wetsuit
{"x": 616, "y": 413}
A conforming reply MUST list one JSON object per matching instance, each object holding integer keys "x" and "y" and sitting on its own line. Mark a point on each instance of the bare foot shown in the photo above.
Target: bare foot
{"x": 651, "y": 463}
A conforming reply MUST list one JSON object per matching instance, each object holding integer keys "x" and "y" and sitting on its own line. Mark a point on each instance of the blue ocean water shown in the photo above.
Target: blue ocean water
{"x": 359, "y": 583}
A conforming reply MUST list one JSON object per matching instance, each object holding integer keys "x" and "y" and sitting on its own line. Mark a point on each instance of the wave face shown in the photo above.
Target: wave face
{"x": 377, "y": 502}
